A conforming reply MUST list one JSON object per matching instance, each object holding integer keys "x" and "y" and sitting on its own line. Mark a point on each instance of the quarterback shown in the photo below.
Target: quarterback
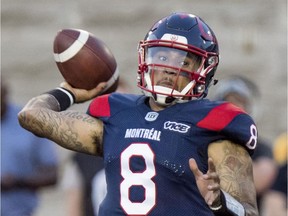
{"x": 170, "y": 151}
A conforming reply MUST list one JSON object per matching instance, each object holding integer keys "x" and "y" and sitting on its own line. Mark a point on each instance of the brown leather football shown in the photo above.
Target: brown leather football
{"x": 84, "y": 60}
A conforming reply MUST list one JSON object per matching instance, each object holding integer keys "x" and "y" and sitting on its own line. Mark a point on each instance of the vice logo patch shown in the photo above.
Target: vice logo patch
{"x": 175, "y": 126}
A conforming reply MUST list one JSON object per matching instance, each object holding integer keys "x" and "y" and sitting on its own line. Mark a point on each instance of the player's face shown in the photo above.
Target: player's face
{"x": 171, "y": 68}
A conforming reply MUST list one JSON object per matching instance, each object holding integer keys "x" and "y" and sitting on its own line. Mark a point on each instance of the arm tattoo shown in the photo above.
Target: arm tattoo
{"x": 70, "y": 129}
{"x": 96, "y": 137}
{"x": 234, "y": 170}
{"x": 79, "y": 116}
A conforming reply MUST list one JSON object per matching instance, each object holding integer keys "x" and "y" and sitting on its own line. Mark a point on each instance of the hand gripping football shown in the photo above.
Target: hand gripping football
{"x": 84, "y": 61}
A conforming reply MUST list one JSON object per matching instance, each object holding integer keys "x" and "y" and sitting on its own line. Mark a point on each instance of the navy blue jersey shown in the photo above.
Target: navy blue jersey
{"x": 146, "y": 153}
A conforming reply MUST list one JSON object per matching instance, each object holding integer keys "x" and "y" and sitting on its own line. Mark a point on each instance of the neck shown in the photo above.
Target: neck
{"x": 155, "y": 106}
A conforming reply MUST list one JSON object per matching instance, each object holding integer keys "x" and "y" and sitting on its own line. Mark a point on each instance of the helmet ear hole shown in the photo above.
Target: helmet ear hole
{"x": 199, "y": 89}
{"x": 212, "y": 60}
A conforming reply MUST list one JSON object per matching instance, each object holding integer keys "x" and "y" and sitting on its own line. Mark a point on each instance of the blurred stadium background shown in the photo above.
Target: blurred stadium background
{"x": 252, "y": 37}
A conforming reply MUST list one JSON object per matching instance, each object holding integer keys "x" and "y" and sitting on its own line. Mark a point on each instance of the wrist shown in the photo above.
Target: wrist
{"x": 228, "y": 207}
{"x": 217, "y": 204}
{"x": 64, "y": 97}
{"x": 215, "y": 208}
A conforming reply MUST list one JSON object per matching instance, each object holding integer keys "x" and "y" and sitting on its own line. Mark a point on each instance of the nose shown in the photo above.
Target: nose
{"x": 169, "y": 71}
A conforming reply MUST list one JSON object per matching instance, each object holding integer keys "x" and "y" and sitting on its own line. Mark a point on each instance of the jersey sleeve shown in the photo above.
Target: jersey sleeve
{"x": 100, "y": 107}
{"x": 232, "y": 123}
{"x": 106, "y": 106}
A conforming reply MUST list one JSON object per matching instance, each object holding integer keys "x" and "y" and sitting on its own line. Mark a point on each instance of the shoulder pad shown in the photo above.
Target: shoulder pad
{"x": 220, "y": 116}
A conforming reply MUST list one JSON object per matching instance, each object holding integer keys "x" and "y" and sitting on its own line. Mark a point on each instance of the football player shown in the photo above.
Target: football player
{"x": 169, "y": 151}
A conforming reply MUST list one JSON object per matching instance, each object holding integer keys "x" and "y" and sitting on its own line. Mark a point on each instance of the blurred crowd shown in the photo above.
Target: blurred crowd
{"x": 28, "y": 163}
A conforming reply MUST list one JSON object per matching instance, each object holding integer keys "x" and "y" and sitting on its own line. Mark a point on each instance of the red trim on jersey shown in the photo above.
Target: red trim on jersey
{"x": 219, "y": 117}
{"x": 100, "y": 107}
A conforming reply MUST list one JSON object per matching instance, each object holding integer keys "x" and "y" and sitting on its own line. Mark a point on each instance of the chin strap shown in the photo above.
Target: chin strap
{"x": 164, "y": 99}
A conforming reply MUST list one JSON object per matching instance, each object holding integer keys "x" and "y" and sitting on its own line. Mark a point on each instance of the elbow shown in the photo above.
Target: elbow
{"x": 22, "y": 118}
{"x": 26, "y": 121}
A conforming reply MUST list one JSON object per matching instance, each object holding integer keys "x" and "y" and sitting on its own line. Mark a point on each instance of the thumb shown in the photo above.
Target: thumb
{"x": 194, "y": 168}
{"x": 98, "y": 89}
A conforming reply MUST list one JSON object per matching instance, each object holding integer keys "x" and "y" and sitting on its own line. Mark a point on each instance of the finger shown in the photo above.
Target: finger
{"x": 212, "y": 176}
{"x": 64, "y": 84}
{"x": 194, "y": 168}
{"x": 98, "y": 89}
{"x": 209, "y": 198}
{"x": 214, "y": 186}
{"x": 211, "y": 165}
{"x": 101, "y": 86}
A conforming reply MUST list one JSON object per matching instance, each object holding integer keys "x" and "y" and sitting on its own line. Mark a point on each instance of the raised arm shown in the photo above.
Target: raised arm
{"x": 70, "y": 129}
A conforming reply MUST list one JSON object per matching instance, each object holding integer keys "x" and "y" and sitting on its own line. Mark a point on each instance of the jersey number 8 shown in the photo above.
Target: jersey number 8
{"x": 143, "y": 179}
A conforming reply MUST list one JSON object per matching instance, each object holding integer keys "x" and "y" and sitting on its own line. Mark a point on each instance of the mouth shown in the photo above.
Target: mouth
{"x": 166, "y": 83}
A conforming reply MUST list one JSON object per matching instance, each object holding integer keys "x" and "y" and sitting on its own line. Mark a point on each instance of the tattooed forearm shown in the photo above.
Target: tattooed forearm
{"x": 79, "y": 116}
{"x": 234, "y": 167}
{"x": 234, "y": 170}
{"x": 70, "y": 129}
{"x": 63, "y": 127}
{"x": 68, "y": 135}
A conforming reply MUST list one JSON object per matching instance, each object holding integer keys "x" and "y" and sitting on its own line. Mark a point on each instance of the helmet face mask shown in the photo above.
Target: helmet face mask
{"x": 173, "y": 64}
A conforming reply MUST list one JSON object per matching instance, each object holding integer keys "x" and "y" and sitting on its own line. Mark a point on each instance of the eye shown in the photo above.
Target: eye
{"x": 184, "y": 63}
{"x": 163, "y": 58}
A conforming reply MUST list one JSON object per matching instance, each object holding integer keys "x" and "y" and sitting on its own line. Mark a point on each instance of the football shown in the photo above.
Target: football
{"x": 84, "y": 60}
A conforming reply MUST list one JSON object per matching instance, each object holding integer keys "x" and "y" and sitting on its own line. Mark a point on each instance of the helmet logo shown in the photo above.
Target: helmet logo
{"x": 174, "y": 38}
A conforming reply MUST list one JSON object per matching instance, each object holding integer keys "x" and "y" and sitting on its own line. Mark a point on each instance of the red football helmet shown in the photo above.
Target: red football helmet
{"x": 186, "y": 36}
